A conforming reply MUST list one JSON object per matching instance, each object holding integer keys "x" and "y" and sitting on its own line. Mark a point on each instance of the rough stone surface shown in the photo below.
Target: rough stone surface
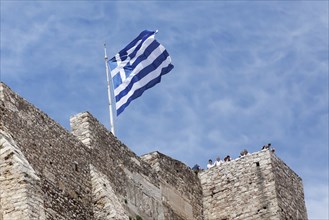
{"x": 106, "y": 204}
{"x": 131, "y": 179}
{"x": 47, "y": 172}
{"x": 289, "y": 191}
{"x": 20, "y": 186}
{"x": 149, "y": 191}
{"x": 180, "y": 187}
{"x": 52, "y": 153}
{"x": 256, "y": 186}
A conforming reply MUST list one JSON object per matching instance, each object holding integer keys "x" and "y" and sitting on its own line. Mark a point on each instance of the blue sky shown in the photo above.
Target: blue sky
{"x": 246, "y": 73}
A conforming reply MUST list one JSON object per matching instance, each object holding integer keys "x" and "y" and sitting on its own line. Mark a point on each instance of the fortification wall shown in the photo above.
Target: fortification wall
{"x": 257, "y": 186}
{"x": 20, "y": 187}
{"x": 142, "y": 188}
{"x": 85, "y": 175}
{"x": 180, "y": 187}
{"x": 240, "y": 189}
{"x": 52, "y": 153}
{"x": 132, "y": 180}
{"x": 47, "y": 172}
{"x": 289, "y": 191}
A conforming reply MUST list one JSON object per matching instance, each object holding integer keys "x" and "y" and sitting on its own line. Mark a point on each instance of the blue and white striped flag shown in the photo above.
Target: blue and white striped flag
{"x": 138, "y": 67}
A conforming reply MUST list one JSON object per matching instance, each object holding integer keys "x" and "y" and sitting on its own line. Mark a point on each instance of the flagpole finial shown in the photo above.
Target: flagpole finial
{"x": 105, "y": 50}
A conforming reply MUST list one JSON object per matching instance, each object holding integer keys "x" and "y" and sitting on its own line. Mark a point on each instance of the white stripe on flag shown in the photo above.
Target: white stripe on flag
{"x": 141, "y": 50}
{"x": 121, "y": 64}
{"x": 155, "y": 53}
{"x": 141, "y": 83}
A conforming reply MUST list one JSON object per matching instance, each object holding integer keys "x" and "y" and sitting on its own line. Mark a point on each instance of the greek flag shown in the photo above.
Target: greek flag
{"x": 138, "y": 67}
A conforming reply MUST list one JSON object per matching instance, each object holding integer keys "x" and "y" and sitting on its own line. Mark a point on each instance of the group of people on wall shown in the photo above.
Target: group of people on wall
{"x": 218, "y": 160}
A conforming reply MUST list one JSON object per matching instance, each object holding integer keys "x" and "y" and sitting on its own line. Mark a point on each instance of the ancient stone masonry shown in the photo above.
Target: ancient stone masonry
{"x": 47, "y": 172}
{"x": 138, "y": 184}
{"x": 180, "y": 187}
{"x": 88, "y": 174}
{"x": 22, "y": 197}
{"x": 50, "y": 153}
{"x": 256, "y": 186}
{"x": 289, "y": 191}
{"x": 128, "y": 177}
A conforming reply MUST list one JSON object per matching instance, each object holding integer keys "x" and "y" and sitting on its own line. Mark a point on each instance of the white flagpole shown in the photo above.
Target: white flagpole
{"x": 109, "y": 91}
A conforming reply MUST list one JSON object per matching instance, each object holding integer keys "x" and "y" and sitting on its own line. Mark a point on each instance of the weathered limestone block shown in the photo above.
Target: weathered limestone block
{"x": 20, "y": 190}
{"x": 180, "y": 187}
{"x": 289, "y": 191}
{"x": 143, "y": 197}
{"x": 106, "y": 204}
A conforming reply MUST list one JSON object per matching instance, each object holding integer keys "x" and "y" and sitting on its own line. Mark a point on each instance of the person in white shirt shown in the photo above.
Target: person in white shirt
{"x": 210, "y": 164}
{"x": 218, "y": 161}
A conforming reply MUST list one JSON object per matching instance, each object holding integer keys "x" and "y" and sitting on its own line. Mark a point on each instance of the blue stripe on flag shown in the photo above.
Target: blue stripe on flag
{"x": 138, "y": 67}
{"x": 140, "y": 91}
{"x": 153, "y": 66}
{"x": 146, "y": 53}
{"x": 142, "y": 36}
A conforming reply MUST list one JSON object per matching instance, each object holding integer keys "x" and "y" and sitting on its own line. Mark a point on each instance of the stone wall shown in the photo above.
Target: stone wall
{"x": 142, "y": 188}
{"x": 52, "y": 153}
{"x": 106, "y": 204}
{"x": 289, "y": 191}
{"x": 47, "y": 172}
{"x": 20, "y": 187}
{"x": 86, "y": 174}
{"x": 132, "y": 180}
{"x": 256, "y": 186}
{"x": 180, "y": 187}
